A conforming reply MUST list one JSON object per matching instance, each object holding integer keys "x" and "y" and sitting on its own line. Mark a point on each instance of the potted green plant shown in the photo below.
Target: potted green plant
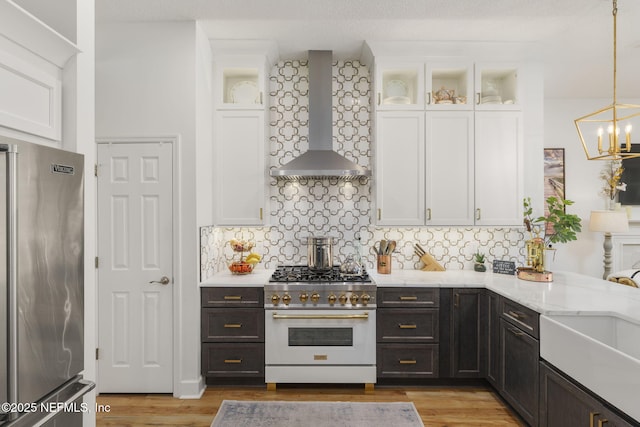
{"x": 557, "y": 226}
{"x": 478, "y": 261}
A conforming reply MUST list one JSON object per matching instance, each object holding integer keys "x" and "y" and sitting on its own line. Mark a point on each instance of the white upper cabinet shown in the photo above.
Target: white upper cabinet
{"x": 400, "y": 173}
{"x": 449, "y": 85}
{"x": 497, "y": 87}
{"x": 240, "y": 133}
{"x": 449, "y": 168}
{"x": 449, "y": 142}
{"x": 240, "y": 190}
{"x": 240, "y": 84}
{"x": 400, "y": 86}
{"x": 499, "y": 167}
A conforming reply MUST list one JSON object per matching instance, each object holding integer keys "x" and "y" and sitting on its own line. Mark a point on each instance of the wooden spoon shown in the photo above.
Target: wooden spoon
{"x": 383, "y": 247}
{"x": 391, "y": 247}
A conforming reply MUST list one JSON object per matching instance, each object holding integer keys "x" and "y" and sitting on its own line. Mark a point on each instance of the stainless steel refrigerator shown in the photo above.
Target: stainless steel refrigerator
{"x": 41, "y": 286}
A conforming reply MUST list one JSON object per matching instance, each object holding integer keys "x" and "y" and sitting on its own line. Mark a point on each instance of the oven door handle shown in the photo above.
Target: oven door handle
{"x": 321, "y": 316}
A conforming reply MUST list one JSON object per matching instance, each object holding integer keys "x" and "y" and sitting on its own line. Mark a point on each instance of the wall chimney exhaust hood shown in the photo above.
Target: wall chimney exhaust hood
{"x": 320, "y": 161}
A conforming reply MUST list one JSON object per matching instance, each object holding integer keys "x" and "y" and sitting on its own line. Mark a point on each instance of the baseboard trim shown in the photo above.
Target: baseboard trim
{"x": 190, "y": 389}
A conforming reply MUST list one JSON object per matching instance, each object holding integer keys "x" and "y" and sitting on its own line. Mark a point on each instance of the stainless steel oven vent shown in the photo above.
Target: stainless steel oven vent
{"x": 320, "y": 161}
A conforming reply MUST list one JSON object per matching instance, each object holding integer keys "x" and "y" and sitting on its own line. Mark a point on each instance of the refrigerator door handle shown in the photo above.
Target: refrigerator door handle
{"x": 64, "y": 398}
{"x": 12, "y": 272}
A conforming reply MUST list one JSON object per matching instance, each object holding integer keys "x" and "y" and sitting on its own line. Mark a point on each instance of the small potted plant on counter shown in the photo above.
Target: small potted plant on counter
{"x": 478, "y": 259}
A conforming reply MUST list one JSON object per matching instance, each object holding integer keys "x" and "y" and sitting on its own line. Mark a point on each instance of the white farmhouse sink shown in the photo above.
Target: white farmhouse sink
{"x": 602, "y": 352}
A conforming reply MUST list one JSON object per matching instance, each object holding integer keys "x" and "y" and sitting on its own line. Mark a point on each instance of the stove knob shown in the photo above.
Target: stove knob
{"x": 275, "y": 299}
{"x": 354, "y": 299}
{"x": 365, "y": 299}
{"x": 286, "y": 298}
{"x": 332, "y": 299}
{"x": 304, "y": 297}
{"x": 343, "y": 299}
{"x": 315, "y": 297}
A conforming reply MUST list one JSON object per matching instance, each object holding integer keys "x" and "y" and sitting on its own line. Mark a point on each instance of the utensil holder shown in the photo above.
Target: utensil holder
{"x": 384, "y": 264}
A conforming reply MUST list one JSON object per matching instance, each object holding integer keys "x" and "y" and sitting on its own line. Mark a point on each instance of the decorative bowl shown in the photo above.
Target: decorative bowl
{"x": 241, "y": 267}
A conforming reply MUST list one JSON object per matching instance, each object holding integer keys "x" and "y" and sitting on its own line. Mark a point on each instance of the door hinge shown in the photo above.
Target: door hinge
{"x": 97, "y": 262}
{"x": 95, "y": 169}
{"x": 97, "y": 353}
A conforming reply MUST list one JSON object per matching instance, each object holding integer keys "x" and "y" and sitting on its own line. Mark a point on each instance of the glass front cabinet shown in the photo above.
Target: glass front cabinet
{"x": 441, "y": 126}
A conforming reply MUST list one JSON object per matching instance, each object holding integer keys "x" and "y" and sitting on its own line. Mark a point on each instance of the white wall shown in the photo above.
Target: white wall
{"x": 146, "y": 86}
{"x": 583, "y": 184}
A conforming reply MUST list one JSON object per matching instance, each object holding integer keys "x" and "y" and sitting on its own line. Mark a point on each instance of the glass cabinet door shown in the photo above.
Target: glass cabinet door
{"x": 239, "y": 86}
{"x": 400, "y": 86}
{"x": 497, "y": 87}
{"x": 449, "y": 86}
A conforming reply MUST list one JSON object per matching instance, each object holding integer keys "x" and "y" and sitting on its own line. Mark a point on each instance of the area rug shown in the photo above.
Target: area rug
{"x": 238, "y": 413}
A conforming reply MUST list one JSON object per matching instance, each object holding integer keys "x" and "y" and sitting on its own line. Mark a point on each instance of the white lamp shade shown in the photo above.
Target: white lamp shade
{"x": 609, "y": 221}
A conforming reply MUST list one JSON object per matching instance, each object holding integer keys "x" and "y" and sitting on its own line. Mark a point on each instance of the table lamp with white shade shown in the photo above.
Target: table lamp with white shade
{"x": 608, "y": 222}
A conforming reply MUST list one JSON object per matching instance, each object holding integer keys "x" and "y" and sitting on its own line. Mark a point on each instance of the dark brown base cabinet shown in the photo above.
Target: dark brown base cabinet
{"x": 563, "y": 403}
{"x": 494, "y": 310}
{"x": 463, "y": 333}
{"x": 407, "y": 333}
{"x": 513, "y": 354}
{"x": 520, "y": 358}
{"x": 232, "y": 333}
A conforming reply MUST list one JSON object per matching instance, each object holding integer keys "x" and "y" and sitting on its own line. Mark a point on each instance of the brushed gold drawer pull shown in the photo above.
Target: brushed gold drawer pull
{"x": 233, "y": 325}
{"x": 592, "y": 416}
{"x": 408, "y": 298}
{"x": 234, "y": 361}
{"x": 516, "y": 314}
{"x": 407, "y": 362}
{"x": 516, "y": 332}
{"x": 602, "y": 422}
{"x": 407, "y": 326}
{"x": 232, "y": 297}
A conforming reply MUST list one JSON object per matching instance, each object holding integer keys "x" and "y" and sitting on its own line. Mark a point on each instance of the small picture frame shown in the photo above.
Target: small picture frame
{"x": 554, "y": 178}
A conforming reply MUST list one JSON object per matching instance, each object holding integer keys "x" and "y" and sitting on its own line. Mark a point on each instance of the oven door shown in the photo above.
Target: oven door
{"x": 320, "y": 337}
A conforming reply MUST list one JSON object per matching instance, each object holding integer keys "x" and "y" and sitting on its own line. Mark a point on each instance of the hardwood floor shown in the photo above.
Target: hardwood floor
{"x": 437, "y": 406}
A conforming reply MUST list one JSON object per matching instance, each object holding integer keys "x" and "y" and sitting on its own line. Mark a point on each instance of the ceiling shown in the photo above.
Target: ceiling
{"x": 574, "y": 38}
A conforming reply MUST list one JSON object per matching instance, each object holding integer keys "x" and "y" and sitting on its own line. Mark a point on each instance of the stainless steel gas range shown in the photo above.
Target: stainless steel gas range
{"x": 320, "y": 327}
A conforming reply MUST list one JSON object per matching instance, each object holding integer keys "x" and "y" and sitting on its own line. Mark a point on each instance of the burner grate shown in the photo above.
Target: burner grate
{"x": 302, "y": 273}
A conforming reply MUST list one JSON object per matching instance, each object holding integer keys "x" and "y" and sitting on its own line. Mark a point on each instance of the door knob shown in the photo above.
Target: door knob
{"x": 164, "y": 280}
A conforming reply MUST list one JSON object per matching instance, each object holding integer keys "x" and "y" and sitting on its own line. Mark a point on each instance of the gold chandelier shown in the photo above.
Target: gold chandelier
{"x": 608, "y": 130}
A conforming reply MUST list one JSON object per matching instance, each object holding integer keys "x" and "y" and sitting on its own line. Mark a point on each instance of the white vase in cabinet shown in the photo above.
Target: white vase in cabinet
{"x": 499, "y": 167}
{"x": 240, "y": 167}
{"x": 497, "y": 86}
{"x": 399, "y": 165}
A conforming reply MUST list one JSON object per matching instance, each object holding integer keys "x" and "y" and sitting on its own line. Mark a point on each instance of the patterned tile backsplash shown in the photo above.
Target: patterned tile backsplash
{"x": 341, "y": 209}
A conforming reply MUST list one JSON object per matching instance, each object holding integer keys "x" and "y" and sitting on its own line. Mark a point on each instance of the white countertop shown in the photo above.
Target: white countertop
{"x": 569, "y": 293}
{"x": 258, "y": 277}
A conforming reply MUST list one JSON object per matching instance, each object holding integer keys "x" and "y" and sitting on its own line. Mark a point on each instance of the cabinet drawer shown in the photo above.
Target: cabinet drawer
{"x": 521, "y": 316}
{"x": 408, "y": 297}
{"x": 232, "y": 324}
{"x": 407, "y": 325}
{"x": 232, "y": 297}
{"x": 232, "y": 360}
{"x": 407, "y": 361}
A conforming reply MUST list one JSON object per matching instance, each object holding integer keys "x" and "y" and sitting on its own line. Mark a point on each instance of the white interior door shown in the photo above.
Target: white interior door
{"x": 135, "y": 272}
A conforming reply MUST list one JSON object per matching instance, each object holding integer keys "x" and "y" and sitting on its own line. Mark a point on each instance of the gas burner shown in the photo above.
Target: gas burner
{"x": 302, "y": 273}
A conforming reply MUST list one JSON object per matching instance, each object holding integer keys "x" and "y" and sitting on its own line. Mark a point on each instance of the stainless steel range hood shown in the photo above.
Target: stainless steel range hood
{"x": 320, "y": 161}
